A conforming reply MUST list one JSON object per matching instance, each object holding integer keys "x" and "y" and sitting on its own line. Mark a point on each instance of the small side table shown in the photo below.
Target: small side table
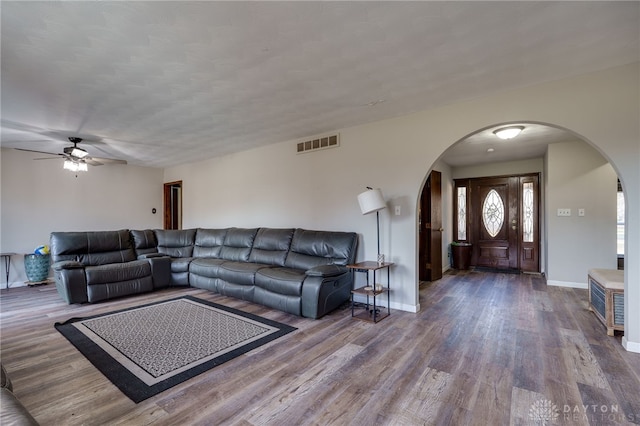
{"x": 371, "y": 312}
{"x": 7, "y": 264}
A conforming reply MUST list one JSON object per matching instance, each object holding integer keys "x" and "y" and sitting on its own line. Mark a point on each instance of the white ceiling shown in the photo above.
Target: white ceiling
{"x": 166, "y": 83}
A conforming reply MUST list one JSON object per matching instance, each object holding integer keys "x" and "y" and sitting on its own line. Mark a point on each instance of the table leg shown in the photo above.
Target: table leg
{"x": 7, "y": 265}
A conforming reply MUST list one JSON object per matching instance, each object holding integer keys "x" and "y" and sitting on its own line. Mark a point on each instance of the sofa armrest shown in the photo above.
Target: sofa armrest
{"x": 321, "y": 295}
{"x": 71, "y": 282}
{"x": 67, "y": 264}
{"x": 151, "y": 255}
{"x": 12, "y": 411}
{"x": 326, "y": 271}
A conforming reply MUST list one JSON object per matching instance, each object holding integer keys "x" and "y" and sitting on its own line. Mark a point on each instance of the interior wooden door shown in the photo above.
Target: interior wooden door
{"x": 173, "y": 205}
{"x": 430, "y": 233}
{"x": 494, "y": 206}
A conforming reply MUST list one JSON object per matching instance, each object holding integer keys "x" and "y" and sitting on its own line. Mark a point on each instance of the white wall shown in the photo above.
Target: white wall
{"x": 535, "y": 165}
{"x": 578, "y": 177}
{"x": 272, "y": 186}
{"x": 39, "y": 197}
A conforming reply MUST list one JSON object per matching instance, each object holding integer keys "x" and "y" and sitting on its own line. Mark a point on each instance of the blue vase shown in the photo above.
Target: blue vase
{"x": 36, "y": 266}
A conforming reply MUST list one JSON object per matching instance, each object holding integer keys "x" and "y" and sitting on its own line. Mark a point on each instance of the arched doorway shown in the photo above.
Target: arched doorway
{"x": 570, "y": 159}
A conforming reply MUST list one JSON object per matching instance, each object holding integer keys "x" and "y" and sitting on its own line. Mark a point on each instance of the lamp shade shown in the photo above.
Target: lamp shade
{"x": 371, "y": 201}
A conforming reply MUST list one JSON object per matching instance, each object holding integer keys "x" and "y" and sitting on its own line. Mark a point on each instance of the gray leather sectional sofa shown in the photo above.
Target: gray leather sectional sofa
{"x": 298, "y": 271}
{"x": 12, "y": 412}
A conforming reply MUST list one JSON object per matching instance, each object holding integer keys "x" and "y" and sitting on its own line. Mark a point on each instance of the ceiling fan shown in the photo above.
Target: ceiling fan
{"x": 76, "y": 158}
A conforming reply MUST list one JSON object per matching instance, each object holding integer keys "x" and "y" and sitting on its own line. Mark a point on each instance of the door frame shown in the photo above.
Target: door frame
{"x": 172, "y": 219}
{"x": 524, "y": 251}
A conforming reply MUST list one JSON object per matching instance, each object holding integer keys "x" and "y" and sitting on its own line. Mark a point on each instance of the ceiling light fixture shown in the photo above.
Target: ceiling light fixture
{"x": 75, "y": 166}
{"x": 509, "y": 132}
{"x": 78, "y": 152}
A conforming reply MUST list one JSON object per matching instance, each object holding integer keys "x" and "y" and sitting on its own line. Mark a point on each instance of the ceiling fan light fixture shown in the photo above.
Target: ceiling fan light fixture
{"x": 509, "y": 132}
{"x": 75, "y": 166}
{"x": 78, "y": 152}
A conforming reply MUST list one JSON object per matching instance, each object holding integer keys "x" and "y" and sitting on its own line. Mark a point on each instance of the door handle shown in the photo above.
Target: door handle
{"x": 514, "y": 227}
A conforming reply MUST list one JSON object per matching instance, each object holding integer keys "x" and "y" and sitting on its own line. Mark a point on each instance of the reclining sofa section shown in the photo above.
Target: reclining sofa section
{"x": 298, "y": 271}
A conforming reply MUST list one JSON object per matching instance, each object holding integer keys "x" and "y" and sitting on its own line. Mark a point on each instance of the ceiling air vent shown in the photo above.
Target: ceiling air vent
{"x": 321, "y": 142}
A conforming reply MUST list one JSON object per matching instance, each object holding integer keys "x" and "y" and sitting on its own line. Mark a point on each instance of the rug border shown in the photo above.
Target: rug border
{"x": 131, "y": 385}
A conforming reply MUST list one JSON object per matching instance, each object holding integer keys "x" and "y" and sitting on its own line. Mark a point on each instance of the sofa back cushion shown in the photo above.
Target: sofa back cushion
{"x": 237, "y": 244}
{"x": 314, "y": 248}
{"x": 92, "y": 248}
{"x": 209, "y": 242}
{"x": 271, "y": 246}
{"x": 176, "y": 242}
{"x": 144, "y": 242}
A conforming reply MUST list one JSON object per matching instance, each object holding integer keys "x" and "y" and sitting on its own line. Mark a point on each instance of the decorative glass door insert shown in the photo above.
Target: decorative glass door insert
{"x": 493, "y": 213}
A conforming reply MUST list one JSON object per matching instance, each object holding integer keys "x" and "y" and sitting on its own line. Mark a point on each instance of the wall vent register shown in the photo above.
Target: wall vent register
{"x": 318, "y": 143}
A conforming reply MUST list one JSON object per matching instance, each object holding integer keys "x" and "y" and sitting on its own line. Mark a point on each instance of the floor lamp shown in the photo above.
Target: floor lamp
{"x": 372, "y": 201}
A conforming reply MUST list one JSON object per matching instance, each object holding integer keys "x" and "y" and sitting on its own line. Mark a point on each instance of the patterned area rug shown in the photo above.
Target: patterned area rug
{"x": 148, "y": 349}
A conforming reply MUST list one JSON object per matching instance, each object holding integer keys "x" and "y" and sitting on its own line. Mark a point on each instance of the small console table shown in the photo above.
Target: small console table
{"x": 371, "y": 311}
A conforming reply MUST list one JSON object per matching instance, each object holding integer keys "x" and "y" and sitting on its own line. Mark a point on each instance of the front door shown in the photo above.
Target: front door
{"x": 494, "y": 204}
{"x": 502, "y": 221}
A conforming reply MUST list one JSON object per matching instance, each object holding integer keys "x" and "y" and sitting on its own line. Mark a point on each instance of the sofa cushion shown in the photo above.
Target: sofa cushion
{"x": 92, "y": 248}
{"x": 176, "y": 243}
{"x": 144, "y": 242}
{"x": 271, "y": 246}
{"x": 237, "y": 244}
{"x": 206, "y": 267}
{"x": 241, "y": 273}
{"x": 314, "y": 248}
{"x": 180, "y": 264}
{"x": 209, "y": 242}
{"x": 281, "y": 280}
{"x": 116, "y": 272}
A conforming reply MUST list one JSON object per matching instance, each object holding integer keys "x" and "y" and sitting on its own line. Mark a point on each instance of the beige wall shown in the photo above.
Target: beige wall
{"x": 272, "y": 186}
{"x": 39, "y": 197}
{"x": 578, "y": 177}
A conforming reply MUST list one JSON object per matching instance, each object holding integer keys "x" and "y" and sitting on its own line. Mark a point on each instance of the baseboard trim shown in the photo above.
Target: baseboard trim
{"x": 567, "y": 284}
{"x": 630, "y": 346}
{"x": 13, "y": 284}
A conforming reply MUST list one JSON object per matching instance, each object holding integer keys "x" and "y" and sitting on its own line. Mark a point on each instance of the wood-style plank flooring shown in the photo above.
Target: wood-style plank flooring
{"x": 486, "y": 349}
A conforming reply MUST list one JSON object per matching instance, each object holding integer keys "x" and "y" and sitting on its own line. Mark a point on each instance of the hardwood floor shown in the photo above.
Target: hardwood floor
{"x": 486, "y": 349}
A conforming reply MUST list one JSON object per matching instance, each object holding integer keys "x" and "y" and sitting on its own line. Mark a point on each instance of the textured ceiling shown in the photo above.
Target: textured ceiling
{"x": 166, "y": 83}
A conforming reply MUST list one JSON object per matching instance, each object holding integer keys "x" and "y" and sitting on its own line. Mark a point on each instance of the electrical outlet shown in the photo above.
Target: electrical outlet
{"x": 564, "y": 212}
{"x": 580, "y": 212}
{"x": 398, "y": 210}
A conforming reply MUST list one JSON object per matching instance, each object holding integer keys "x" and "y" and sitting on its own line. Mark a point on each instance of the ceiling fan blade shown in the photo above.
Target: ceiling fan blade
{"x": 48, "y": 158}
{"x": 92, "y": 162}
{"x": 39, "y": 152}
{"x": 108, "y": 160}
